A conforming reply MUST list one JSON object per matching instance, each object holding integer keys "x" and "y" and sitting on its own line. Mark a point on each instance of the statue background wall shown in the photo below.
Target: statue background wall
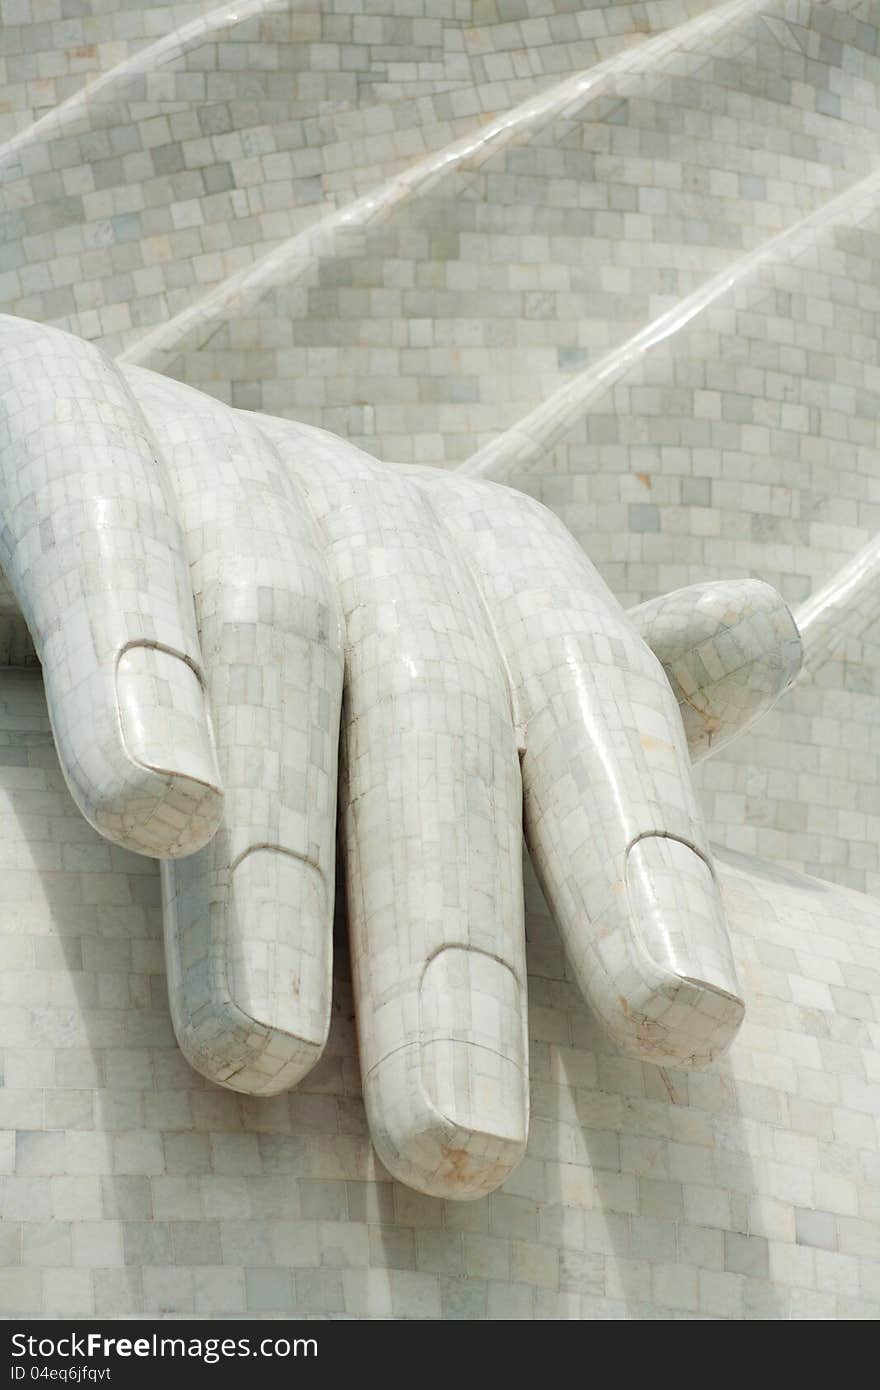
{"x": 743, "y": 444}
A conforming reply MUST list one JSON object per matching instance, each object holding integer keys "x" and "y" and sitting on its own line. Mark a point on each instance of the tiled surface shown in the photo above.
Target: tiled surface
{"x": 93, "y": 551}
{"x": 248, "y": 919}
{"x": 491, "y": 682}
{"x": 206, "y": 141}
{"x": 743, "y": 443}
{"x": 609, "y": 811}
{"x": 453, "y": 301}
{"x": 53, "y": 48}
{"x": 130, "y": 1185}
{"x": 474, "y": 627}
{"x": 729, "y": 650}
{"x": 742, "y": 447}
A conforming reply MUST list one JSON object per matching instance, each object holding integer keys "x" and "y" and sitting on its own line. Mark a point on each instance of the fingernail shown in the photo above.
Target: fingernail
{"x": 164, "y": 715}
{"x": 279, "y": 938}
{"x": 166, "y": 729}
{"x": 473, "y": 1043}
{"x": 678, "y": 914}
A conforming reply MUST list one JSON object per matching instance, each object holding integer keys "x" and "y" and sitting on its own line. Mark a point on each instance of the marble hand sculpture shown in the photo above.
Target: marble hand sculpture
{"x": 215, "y": 596}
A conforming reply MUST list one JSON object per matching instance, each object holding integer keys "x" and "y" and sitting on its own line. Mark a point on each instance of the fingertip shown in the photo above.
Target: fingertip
{"x": 677, "y": 912}
{"x": 449, "y": 1110}
{"x": 679, "y": 1000}
{"x": 137, "y": 749}
{"x": 163, "y": 712}
{"x": 249, "y": 967}
{"x": 173, "y": 803}
{"x": 280, "y": 948}
{"x": 730, "y": 649}
{"x": 264, "y": 1062}
{"x": 430, "y": 1151}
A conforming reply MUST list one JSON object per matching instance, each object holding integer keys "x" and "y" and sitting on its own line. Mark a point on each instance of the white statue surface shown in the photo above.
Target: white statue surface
{"x": 494, "y": 304}
{"x": 236, "y": 615}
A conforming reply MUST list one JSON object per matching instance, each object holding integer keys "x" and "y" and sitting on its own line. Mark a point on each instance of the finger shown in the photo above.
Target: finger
{"x": 729, "y": 651}
{"x": 91, "y": 545}
{"x": 248, "y": 920}
{"x": 609, "y": 809}
{"x": 432, "y": 821}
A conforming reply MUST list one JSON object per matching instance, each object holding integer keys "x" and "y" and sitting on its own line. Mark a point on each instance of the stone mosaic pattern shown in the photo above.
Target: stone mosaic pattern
{"x": 491, "y": 683}
{"x": 248, "y": 920}
{"x": 609, "y": 811}
{"x": 132, "y": 1186}
{"x": 667, "y": 443}
{"x": 743, "y": 1191}
{"x": 819, "y": 808}
{"x": 842, "y": 609}
{"x": 707, "y": 637}
{"x": 92, "y": 548}
{"x": 478, "y": 282}
{"x": 52, "y": 50}
{"x": 235, "y": 128}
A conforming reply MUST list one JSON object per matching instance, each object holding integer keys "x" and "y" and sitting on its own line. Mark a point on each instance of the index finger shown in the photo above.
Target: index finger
{"x": 91, "y": 545}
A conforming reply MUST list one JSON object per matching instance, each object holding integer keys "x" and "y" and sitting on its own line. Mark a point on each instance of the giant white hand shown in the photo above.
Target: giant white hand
{"x": 209, "y": 591}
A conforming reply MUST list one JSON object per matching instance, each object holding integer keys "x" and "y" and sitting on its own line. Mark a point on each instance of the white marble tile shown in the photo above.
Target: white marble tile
{"x": 625, "y": 257}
